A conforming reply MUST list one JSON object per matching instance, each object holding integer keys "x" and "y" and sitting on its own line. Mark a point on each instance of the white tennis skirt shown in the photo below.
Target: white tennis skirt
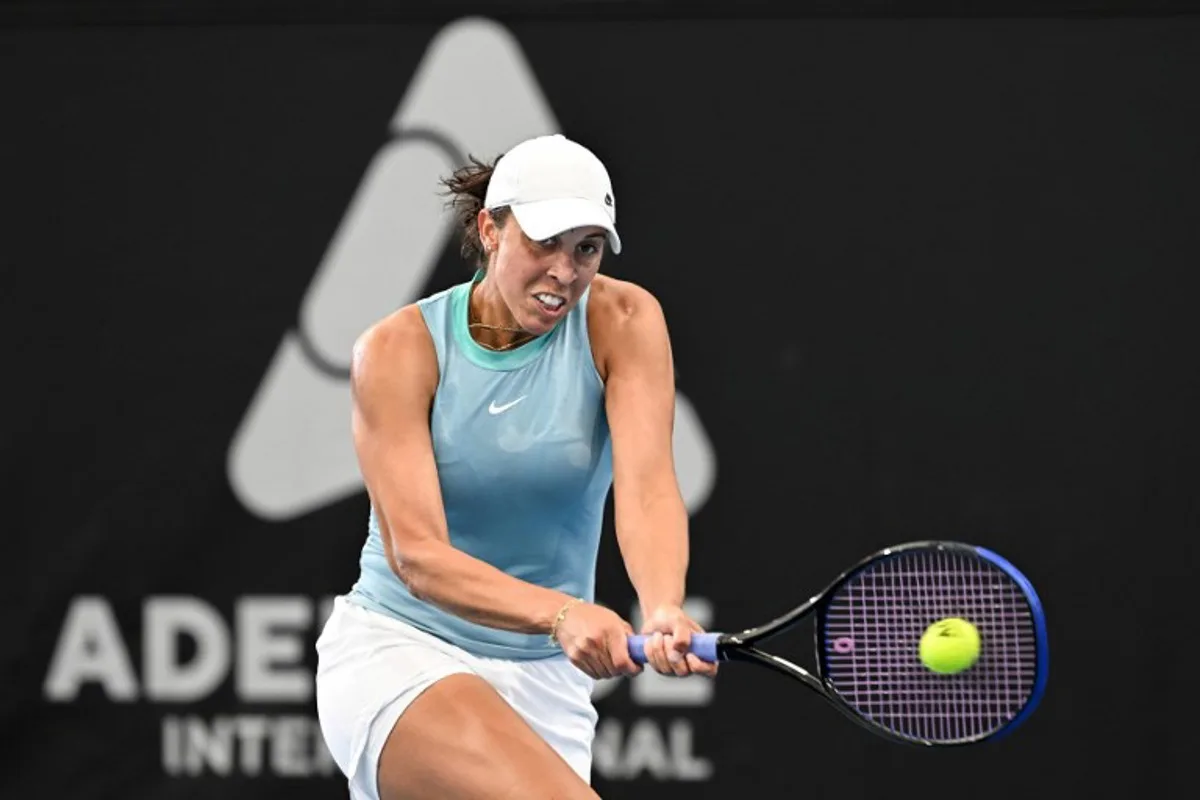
{"x": 370, "y": 667}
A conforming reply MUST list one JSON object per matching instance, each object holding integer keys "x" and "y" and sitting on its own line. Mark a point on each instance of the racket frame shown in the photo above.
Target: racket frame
{"x": 741, "y": 645}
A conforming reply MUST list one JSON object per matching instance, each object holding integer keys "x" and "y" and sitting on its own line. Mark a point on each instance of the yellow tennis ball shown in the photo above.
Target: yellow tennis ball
{"x": 950, "y": 646}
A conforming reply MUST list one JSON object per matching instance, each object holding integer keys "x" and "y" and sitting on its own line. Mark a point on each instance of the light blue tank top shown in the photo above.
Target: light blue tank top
{"x": 524, "y": 460}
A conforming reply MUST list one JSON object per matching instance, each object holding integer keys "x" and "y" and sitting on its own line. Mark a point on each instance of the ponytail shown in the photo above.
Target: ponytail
{"x": 467, "y": 188}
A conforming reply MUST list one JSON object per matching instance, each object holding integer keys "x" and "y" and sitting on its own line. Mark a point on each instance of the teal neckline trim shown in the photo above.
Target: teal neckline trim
{"x": 477, "y": 354}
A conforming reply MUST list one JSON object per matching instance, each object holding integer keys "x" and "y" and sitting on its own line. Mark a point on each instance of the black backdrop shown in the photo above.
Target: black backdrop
{"x": 925, "y": 278}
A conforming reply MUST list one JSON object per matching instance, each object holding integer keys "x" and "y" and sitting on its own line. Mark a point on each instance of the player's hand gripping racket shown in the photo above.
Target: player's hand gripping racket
{"x": 870, "y": 623}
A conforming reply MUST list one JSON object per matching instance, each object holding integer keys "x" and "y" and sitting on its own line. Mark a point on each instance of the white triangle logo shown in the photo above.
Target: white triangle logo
{"x": 293, "y": 451}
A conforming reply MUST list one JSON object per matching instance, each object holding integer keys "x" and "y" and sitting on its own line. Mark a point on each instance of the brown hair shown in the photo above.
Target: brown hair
{"x": 467, "y": 188}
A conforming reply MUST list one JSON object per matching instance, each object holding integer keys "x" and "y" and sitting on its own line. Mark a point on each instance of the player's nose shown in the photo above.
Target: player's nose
{"x": 561, "y": 269}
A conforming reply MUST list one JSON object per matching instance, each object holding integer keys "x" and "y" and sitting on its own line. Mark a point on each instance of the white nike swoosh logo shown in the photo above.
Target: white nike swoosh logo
{"x": 495, "y": 409}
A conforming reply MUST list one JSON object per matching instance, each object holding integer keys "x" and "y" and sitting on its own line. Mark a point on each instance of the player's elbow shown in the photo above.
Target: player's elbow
{"x": 417, "y": 569}
{"x": 651, "y": 494}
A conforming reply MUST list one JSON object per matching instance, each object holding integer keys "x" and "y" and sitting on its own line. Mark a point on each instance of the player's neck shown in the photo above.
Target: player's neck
{"x": 489, "y": 319}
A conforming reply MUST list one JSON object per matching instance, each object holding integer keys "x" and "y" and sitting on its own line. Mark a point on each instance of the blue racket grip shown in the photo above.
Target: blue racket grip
{"x": 704, "y": 647}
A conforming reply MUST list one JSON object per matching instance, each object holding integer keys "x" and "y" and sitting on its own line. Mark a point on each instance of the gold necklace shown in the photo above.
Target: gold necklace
{"x": 516, "y": 342}
{"x": 510, "y": 345}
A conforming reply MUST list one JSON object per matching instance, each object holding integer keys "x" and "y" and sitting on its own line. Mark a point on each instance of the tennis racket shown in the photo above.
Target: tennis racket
{"x": 868, "y": 627}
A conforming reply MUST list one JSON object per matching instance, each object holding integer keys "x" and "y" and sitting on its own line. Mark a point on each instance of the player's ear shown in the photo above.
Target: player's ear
{"x": 489, "y": 232}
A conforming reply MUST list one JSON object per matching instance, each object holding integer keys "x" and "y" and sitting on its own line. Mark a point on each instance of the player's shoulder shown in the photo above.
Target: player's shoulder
{"x": 623, "y": 318}
{"x": 395, "y": 334}
{"x": 398, "y": 342}
{"x": 618, "y": 302}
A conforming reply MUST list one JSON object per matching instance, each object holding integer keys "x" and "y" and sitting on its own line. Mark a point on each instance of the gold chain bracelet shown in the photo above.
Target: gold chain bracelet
{"x": 558, "y": 619}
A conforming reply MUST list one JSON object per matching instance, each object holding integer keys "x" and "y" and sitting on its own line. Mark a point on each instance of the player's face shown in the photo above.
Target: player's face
{"x": 540, "y": 281}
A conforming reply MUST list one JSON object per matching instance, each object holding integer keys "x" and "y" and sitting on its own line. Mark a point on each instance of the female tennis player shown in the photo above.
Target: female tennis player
{"x": 491, "y": 421}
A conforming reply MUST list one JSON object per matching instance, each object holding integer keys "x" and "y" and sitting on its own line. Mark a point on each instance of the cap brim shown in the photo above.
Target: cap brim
{"x": 543, "y": 219}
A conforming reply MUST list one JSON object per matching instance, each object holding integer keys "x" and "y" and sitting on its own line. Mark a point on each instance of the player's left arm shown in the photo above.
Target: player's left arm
{"x": 651, "y": 518}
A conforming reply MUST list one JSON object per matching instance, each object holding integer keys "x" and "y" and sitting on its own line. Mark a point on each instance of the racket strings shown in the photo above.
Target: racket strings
{"x": 873, "y": 625}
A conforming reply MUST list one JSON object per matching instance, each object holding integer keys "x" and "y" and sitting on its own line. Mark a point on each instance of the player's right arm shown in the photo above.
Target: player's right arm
{"x": 394, "y": 375}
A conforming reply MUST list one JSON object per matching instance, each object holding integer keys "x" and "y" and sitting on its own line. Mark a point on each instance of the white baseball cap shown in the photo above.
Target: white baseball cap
{"x": 553, "y": 184}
